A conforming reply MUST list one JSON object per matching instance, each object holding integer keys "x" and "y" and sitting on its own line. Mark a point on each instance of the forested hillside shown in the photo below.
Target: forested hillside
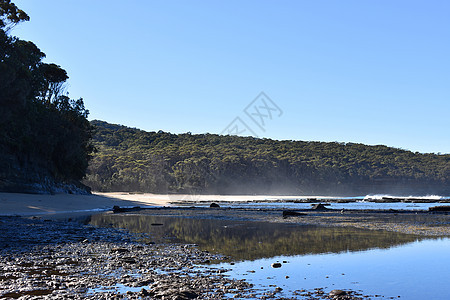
{"x": 44, "y": 135}
{"x": 130, "y": 159}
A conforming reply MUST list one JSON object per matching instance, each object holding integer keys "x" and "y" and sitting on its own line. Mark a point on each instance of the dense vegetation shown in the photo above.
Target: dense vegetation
{"x": 129, "y": 159}
{"x": 44, "y": 135}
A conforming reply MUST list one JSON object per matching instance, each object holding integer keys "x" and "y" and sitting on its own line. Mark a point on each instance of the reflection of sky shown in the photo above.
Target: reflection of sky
{"x": 354, "y": 205}
{"x": 419, "y": 270}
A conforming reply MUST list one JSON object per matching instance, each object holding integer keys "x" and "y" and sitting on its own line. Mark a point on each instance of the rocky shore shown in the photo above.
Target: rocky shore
{"x": 43, "y": 259}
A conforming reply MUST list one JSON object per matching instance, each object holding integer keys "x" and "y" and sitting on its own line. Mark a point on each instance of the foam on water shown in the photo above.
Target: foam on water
{"x": 381, "y": 196}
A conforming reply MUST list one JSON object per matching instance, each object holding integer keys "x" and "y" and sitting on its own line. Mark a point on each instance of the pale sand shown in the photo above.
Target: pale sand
{"x": 30, "y": 204}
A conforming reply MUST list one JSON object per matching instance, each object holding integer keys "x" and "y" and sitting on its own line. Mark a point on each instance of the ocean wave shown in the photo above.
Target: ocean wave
{"x": 386, "y": 196}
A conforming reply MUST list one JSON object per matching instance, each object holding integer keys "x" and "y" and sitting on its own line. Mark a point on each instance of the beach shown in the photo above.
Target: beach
{"x": 43, "y": 204}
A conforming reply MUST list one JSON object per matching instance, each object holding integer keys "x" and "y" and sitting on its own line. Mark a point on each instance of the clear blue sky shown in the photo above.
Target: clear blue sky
{"x": 373, "y": 72}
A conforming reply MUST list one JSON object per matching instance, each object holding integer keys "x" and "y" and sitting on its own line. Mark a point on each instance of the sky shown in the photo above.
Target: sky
{"x": 372, "y": 72}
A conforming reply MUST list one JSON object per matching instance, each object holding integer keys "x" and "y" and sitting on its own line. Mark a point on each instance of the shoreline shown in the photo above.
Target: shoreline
{"x": 41, "y": 204}
{"x": 66, "y": 207}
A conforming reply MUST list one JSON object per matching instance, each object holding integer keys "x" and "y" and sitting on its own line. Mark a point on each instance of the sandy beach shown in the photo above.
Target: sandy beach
{"x": 33, "y": 204}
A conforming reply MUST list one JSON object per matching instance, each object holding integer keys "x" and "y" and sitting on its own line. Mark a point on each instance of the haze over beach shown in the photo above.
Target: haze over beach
{"x": 224, "y": 149}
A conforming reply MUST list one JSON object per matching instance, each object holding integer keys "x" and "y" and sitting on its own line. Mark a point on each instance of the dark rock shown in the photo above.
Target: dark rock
{"x": 276, "y": 265}
{"x": 319, "y": 206}
{"x": 187, "y": 295}
{"x": 119, "y": 250}
{"x": 291, "y": 213}
{"x": 334, "y": 293}
{"x": 144, "y": 292}
{"x": 439, "y": 208}
{"x": 214, "y": 205}
{"x": 129, "y": 260}
{"x": 118, "y": 209}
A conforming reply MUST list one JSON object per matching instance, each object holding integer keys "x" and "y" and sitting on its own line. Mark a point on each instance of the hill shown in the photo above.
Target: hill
{"x": 130, "y": 159}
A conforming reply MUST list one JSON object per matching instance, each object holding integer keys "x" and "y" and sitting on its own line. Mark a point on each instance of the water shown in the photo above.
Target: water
{"x": 376, "y": 202}
{"x": 352, "y": 205}
{"x": 374, "y": 262}
{"x": 418, "y": 270}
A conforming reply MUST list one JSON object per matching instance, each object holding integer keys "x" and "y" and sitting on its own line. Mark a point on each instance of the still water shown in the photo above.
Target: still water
{"x": 374, "y": 262}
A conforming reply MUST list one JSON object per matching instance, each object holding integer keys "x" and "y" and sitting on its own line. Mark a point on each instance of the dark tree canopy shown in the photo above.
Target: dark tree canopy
{"x": 10, "y": 15}
{"x": 54, "y": 78}
{"x": 44, "y": 135}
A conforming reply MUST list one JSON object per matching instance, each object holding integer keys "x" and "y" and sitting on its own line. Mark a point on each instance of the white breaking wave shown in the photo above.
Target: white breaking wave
{"x": 380, "y": 197}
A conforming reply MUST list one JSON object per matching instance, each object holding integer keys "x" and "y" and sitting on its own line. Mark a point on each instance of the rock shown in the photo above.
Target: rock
{"x": 129, "y": 260}
{"x": 319, "y": 206}
{"x": 291, "y": 213}
{"x": 214, "y": 205}
{"x": 118, "y": 209}
{"x": 338, "y": 293}
{"x": 144, "y": 282}
{"x": 276, "y": 265}
{"x": 144, "y": 292}
{"x": 439, "y": 208}
{"x": 187, "y": 295}
{"x": 119, "y": 250}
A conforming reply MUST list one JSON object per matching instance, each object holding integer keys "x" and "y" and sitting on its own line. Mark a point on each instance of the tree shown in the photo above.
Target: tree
{"x": 54, "y": 78}
{"x": 10, "y": 15}
{"x": 44, "y": 135}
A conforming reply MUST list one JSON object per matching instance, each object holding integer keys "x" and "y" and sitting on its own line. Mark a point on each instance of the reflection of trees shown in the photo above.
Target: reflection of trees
{"x": 253, "y": 240}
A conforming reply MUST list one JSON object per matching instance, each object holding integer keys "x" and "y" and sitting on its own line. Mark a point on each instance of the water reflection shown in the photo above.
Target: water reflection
{"x": 254, "y": 240}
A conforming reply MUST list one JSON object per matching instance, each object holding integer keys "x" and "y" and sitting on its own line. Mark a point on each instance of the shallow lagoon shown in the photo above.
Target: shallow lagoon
{"x": 375, "y": 262}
